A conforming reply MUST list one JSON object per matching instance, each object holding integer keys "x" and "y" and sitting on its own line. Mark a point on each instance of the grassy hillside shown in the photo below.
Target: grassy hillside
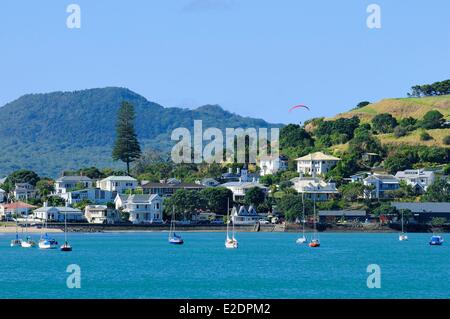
{"x": 402, "y": 107}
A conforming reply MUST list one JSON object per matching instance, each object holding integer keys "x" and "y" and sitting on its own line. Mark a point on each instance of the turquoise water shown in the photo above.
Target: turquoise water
{"x": 266, "y": 265}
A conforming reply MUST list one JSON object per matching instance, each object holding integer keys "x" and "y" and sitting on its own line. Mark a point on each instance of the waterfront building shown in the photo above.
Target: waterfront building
{"x": 142, "y": 208}
{"x": 417, "y": 178}
{"x": 119, "y": 184}
{"x": 240, "y": 188}
{"x": 8, "y": 211}
{"x": 273, "y": 164}
{"x": 65, "y": 184}
{"x": 59, "y": 214}
{"x": 316, "y": 163}
{"x": 101, "y": 214}
{"x": 94, "y": 195}
{"x": 244, "y": 216}
{"x": 314, "y": 188}
{"x": 424, "y": 212}
{"x": 381, "y": 185}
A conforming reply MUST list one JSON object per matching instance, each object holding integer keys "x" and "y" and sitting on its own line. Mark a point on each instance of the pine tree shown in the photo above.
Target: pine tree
{"x": 126, "y": 146}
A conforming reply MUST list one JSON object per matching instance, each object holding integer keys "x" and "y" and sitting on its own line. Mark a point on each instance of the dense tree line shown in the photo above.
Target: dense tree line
{"x": 436, "y": 88}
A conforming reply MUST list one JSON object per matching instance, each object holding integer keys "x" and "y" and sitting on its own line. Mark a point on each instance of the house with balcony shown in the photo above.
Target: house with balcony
{"x": 23, "y": 191}
{"x": 244, "y": 215}
{"x": 66, "y": 184}
{"x": 417, "y": 178}
{"x": 316, "y": 163}
{"x": 381, "y": 184}
{"x": 93, "y": 195}
{"x": 239, "y": 189}
{"x": 101, "y": 214}
{"x": 314, "y": 188}
{"x": 272, "y": 164}
{"x": 119, "y": 184}
{"x": 143, "y": 209}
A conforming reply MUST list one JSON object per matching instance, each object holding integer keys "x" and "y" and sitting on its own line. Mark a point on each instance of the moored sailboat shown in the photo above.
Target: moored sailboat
{"x": 16, "y": 242}
{"x": 230, "y": 242}
{"x": 46, "y": 242}
{"x": 302, "y": 239}
{"x": 402, "y": 236}
{"x": 27, "y": 242}
{"x": 315, "y": 238}
{"x": 66, "y": 246}
{"x": 174, "y": 238}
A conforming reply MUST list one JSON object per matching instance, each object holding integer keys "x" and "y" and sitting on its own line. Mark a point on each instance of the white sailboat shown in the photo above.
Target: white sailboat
{"x": 174, "y": 238}
{"x": 27, "y": 242}
{"x": 17, "y": 242}
{"x": 315, "y": 238}
{"x": 230, "y": 242}
{"x": 46, "y": 242}
{"x": 302, "y": 239}
{"x": 402, "y": 236}
{"x": 66, "y": 246}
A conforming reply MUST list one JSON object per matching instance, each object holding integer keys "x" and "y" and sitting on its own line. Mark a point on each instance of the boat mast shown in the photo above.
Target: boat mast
{"x": 303, "y": 214}
{"x": 228, "y": 218}
{"x": 314, "y": 220}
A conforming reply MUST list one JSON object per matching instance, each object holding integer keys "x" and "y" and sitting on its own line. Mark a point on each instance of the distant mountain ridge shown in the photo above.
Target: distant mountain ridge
{"x": 52, "y": 132}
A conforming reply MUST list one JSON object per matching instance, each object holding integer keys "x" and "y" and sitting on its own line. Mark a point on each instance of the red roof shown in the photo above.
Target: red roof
{"x": 18, "y": 205}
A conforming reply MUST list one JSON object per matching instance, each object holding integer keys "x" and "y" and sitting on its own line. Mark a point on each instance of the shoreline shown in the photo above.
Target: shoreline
{"x": 207, "y": 229}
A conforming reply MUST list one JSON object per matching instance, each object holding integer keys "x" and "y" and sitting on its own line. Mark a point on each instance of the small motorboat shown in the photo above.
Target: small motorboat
{"x": 47, "y": 243}
{"x": 176, "y": 239}
{"x": 402, "y": 237}
{"x": 66, "y": 247}
{"x": 436, "y": 240}
{"x": 314, "y": 243}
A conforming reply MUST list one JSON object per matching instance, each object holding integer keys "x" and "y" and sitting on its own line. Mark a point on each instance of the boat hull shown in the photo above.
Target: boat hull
{"x": 48, "y": 245}
{"x": 176, "y": 241}
{"x": 301, "y": 240}
{"x": 16, "y": 243}
{"x": 26, "y": 244}
{"x": 402, "y": 237}
{"x": 232, "y": 244}
{"x": 66, "y": 248}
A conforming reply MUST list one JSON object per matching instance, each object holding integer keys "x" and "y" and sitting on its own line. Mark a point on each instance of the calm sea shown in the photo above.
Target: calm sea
{"x": 266, "y": 265}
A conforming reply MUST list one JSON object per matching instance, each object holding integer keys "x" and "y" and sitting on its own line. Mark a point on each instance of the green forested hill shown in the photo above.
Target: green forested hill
{"x": 56, "y": 131}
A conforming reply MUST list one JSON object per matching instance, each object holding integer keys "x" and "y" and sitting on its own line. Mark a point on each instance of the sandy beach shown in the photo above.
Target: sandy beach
{"x": 32, "y": 230}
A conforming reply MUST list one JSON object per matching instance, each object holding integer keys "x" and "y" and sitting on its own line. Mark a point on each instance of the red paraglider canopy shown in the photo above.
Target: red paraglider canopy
{"x": 298, "y": 106}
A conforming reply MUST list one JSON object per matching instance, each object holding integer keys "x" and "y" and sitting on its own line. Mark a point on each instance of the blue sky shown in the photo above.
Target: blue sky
{"x": 253, "y": 57}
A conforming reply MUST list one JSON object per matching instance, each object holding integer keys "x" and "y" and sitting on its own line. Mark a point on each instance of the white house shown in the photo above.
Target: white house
{"x": 94, "y": 195}
{"x": 143, "y": 209}
{"x": 18, "y": 209}
{"x": 381, "y": 184}
{"x": 101, "y": 214}
{"x": 240, "y": 188}
{"x": 119, "y": 184}
{"x": 314, "y": 188}
{"x": 416, "y": 177}
{"x": 272, "y": 164}
{"x": 57, "y": 214}
{"x": 316, "y": 163}
{"x": 23, "y": 191}
{"x": 65, "y": 184}
{"x": 244, "y": 216}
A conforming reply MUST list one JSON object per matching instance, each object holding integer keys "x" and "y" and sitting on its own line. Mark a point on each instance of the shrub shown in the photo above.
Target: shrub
{"x": 400, "y": 131}
{"x": 424, "y": 136}
{"x": 446, "y": 140}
